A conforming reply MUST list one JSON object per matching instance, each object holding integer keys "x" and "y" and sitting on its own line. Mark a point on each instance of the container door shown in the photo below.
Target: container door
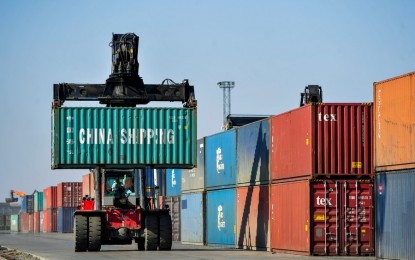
{"x": 358, "y": 218}
{"x": 326, "y": 218}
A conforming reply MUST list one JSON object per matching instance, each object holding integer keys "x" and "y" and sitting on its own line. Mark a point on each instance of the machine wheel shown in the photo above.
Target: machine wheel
{"x": 140, "y": 244}
{"x": 165, "y": 242}
{"x": 80, "y": 233}
{"x": 94, "y": 234}
{"x": 151, "y": 233}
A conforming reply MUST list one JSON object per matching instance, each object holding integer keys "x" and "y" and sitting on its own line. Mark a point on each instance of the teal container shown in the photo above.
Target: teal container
{"x": 85, "y": 137}
{"x": 38, "y": 201}
{"x": 14, "y": 223}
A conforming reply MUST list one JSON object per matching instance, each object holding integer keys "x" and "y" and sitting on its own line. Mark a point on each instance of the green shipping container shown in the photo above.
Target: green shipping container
{"x": 86, "y": 137}
{"x": 14, "y": 223}
{"x": 38, "y": 201}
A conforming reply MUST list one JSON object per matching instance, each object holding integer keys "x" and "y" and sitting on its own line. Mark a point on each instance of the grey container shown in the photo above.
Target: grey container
{"x": 194, "y": 180}
{"x": 253, "y": 154}
{"x": 395, "y": 211}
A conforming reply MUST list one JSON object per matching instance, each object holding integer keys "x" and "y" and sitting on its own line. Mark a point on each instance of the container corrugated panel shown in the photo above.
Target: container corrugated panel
{"x": 38, "y": 201}
{"x": 194, "y": 180}
{"x": 221, "y": 217}
{"x": 394, "y": 108}
{"x": 192, "y": 218}
{"x": 27, "y": 204}
{"x": 50, "y": 220}
{"x": 65, "y": 220}
{"x": 395, "y": 211}
{"x": 322, "y": 139}
{"x": 36, "y": 222}
{"x": 50, "y": 197}
{"x": 88, "y": 185}
{"x": 41, "y": 221}
{"x": 220, "y": 156}
{"x": 173, "y": 182}
{"x": 26, "y": 223}
{"x": 338, "y": 220}
{"x": 15, "y": 223}
{"x": 69, "y": 194}
{"x": 123, "y": 137}
{"x": 252, "y": 217}
{"x": 175, "y": 213}
{"x": 253, "y": 153}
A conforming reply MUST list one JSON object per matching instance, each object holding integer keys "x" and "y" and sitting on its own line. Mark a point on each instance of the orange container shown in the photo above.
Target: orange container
{"x": 394, "y": 113}
{"x": 69, "y": 194}
{"x": 252, "y": 217}
{"x": 88, "y": 185}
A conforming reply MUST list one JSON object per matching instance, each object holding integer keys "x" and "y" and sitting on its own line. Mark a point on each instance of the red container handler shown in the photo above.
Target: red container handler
{"x": 328, "y": 217}
{"x": 69, "y": 194}
{"x": 322, "y": 139}
{"x": 50, "y": 198}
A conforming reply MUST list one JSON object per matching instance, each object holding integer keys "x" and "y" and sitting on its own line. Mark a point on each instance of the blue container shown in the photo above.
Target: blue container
{"x": 27, "y": 204}
{"x": 221, "y": 217}
{"x": 253, "y": 154}
{"x": 65, "y": 220}
{"x": 192, "y": 218}
{"x": 153, "y": 181}
{"x": 395, "y": 211}
{"x": 194, "y": 180}
{"x": 173, "y": 182}
{"x": 220, "y": 155}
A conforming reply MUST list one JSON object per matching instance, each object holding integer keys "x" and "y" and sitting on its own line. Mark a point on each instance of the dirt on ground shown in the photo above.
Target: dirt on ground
{"x": 12, "y": 254}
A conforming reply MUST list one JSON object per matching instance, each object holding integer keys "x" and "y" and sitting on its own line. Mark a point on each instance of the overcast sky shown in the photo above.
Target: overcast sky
{"x": 271, "y": 49}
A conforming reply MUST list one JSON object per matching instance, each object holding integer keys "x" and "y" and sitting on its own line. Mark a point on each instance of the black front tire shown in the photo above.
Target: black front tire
{"x": 151, "y": 233}
{"x": 80, "y": 233}
{"x": 95, "y": 231}
{"x": 165, "y": 242}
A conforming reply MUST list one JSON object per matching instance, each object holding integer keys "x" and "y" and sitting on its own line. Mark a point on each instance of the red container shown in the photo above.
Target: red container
{"x": 50, "y": 220}
{"x": 252, "y": 217}
{"x": 36, "y": 222}
{"x": 26, "y": 223}
{"x": 337, "y": 221}
{"x": 69, "y": 194}
{"x": 88, "y": 185}
{"x": 50, "y": 198}
{"x": 322, "y": 139}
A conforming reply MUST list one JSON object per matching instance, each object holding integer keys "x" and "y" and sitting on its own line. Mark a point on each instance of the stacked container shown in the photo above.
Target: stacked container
{"x": 26, "y": 215}
{"x": 38, "y": 208}
{"x": 252, "y": 192}
{"x": 173, "y": 185}
{"x": 88, "y": 185}
{"x": 321, "y": 178}
{"x": 394, "y": 123}
{"x": 193, "y": 200}
{"x": 50, "y": 211}
{"x": 220, "y": 181}
{"x": 69, "y": 196}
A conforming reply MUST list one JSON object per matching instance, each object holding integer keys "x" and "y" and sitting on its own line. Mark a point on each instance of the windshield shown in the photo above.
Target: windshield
{"x": 119, "y": 181}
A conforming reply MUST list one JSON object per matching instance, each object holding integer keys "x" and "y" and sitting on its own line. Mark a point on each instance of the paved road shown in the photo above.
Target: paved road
{"x": 60, "y": 246}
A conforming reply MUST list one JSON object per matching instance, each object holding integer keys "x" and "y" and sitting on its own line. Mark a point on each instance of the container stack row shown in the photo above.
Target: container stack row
{"x": 394, "y": 105}
{"x": 50, "y": 210}
{"x": 300, "y": 182}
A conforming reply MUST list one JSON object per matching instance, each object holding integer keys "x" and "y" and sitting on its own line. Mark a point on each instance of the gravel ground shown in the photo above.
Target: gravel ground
{"x": 12, "y": 254}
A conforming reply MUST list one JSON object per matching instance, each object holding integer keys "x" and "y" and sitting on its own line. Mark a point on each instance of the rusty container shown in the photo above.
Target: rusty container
{"x": 50, "y": 220}
{"x": 252, "y": 218}
{"x": 26, "y": 223}
{"x": 50, "y": 198}
{"x": 322, "y": 140}
{"x": 88, "y": 185}
{"x": 394, "y": 106}
{"x": 330, "y": 218}
{"x": 69, "y": 194}
{"x": 36, "y": 222}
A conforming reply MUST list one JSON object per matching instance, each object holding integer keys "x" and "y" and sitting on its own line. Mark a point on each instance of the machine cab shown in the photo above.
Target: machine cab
{"x": 119, "y": 188}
